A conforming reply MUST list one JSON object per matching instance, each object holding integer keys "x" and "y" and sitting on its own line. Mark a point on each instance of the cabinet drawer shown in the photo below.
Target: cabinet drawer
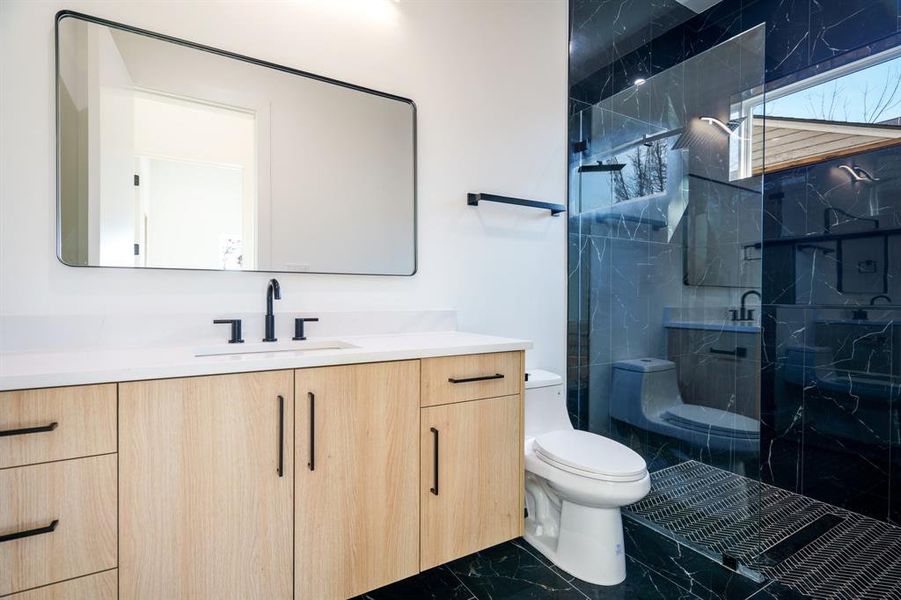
{"x": 470, "y": 377}
{"x": 100, "y": 586}
{"x": 80, "y": 497}
{"x": 56, "y": 423}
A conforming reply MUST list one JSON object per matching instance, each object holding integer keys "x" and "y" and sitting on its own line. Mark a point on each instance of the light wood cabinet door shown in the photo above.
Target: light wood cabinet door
{"x": 471, "y": 482}
{"x": 205, "y": 509}
{"x": 357, "y": 460}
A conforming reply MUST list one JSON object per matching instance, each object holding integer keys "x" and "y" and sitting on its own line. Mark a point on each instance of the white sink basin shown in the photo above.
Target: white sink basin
{"x": 272, "y": 348}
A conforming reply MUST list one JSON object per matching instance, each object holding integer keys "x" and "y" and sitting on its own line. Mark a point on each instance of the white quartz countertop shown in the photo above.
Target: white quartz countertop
{"x": 26, "y": 370}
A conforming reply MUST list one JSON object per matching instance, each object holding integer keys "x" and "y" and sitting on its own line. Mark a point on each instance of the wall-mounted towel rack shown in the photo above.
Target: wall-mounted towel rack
{"x": 474, "y": 199}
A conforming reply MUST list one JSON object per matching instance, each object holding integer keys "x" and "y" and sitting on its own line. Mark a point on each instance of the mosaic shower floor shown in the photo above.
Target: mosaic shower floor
{"x": 767, "y": 533}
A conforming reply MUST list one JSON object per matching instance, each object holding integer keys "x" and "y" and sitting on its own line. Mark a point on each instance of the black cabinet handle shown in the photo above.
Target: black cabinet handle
{"x": 739, "y": 352}
{"x": 281, "y": 436}
{"x": 312, "y": 463}
{"x": 24, "y": 534}
{"x": 27, "y": 430}
{"x": 471, "y": 379}
{"x": 434, "y": 431}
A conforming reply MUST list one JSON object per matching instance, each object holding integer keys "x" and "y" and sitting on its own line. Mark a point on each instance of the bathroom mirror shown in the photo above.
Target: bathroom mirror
{"x": 179, "y": 156}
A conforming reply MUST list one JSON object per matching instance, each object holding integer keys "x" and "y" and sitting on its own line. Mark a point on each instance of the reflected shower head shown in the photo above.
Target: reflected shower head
{"x": 857, "y": 173}
{"x": 601, "y": 168}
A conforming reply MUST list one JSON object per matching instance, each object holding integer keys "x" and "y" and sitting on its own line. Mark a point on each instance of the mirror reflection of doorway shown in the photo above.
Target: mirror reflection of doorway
{"x": 195, "y": 167}
{"x": 189, "y": 211}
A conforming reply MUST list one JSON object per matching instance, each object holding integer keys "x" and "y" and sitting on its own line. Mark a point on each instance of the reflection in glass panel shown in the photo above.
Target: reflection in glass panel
{"x": 838, "y": 113}
{"x": 665, "y": 267}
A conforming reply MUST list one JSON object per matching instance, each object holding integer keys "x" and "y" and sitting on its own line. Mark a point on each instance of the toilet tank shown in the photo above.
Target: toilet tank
{"x": 545, "y": 403}
{"x": 643, "y": 388}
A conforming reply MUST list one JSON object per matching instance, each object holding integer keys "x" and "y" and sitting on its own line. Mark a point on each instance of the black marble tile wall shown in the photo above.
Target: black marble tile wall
{"x": 615, "y": 41}
{"x": 830, "y": 420}
{"x": 629, "y": 239}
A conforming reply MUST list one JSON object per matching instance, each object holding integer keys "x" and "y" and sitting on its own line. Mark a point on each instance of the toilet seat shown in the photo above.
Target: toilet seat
{"x": 707, "y": 420}
{"x": 589, "y": 455}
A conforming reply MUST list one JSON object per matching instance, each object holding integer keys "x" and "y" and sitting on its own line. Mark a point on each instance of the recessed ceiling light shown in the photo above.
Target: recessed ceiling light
{"x": 639, "y": 81}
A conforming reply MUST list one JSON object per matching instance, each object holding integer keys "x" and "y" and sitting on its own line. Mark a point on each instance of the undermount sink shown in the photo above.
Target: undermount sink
{"x": 272, "y": 347}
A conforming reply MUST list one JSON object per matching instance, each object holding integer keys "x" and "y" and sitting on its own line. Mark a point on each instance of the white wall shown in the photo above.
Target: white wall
{"x": 489, "y": 80}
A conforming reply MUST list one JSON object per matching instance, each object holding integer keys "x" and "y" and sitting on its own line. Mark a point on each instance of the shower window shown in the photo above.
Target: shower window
{"x": 840, "y": 112}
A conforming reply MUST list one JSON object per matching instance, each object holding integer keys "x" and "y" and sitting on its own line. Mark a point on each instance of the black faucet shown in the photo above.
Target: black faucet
{"x": 862, "y": 315}
{"x": 273, "y": 292}
{"x": 745, "y": 314}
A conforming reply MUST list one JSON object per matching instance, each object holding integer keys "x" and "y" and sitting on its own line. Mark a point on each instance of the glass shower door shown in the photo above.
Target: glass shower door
{"x": 665, "y": 279}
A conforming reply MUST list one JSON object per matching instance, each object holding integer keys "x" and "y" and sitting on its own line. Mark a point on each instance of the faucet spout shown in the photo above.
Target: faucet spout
{"x": 745, "y": 314}
{"x": 273, "y": 292}
{"x": 744, "y": 297}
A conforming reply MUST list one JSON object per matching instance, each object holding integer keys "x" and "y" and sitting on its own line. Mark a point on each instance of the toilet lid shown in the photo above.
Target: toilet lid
{"x": 590, "y": 455}
{"x": 712, "y": 421}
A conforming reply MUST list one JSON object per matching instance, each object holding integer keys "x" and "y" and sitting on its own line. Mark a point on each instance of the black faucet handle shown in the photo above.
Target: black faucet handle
{"x": 750, "y": 315}
{"x": 734, "y": 314}
{"x": 236, "y": 329}
{"x": 298, "y": 327}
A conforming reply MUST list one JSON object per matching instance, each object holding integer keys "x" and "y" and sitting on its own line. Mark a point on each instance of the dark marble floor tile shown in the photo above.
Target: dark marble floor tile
{"x": 777, "y": 591}
{"x": 510, "y": 571}
{"x": 693, "y": 571}
{"x": 438, "y": 584}
{"x": 641, "y": 582}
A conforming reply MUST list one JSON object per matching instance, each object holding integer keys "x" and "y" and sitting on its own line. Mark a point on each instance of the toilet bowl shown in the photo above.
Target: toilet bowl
{"x": 576, "y": 483}
{"x": 645, "y": 394}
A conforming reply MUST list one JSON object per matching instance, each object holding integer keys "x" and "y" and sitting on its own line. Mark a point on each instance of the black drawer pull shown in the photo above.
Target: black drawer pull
{"x": 24, "y": 534}
{"x": 281, "y": 436}
{"x": 471, "y": 379}
{"x": 434, "y": 488}
{"x": 312, "y": 463}
{"x": 739, "y": 352}
{"x": 26, "y": 430}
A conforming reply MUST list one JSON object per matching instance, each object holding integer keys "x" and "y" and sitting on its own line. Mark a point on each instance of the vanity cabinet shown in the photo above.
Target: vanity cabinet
{"x": 206, "y": 487}
{"x": 357, "y": 455}
{"x": 471, "y": 469}
{"x": 317, "y": 483}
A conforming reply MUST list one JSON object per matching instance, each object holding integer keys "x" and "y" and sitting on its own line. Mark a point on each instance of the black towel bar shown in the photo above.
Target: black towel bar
{"x": 474, "y": 199}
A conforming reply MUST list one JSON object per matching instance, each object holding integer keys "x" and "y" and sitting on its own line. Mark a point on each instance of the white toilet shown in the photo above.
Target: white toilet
{"x": 576, "y": 483}
{"x": 645, "y": 394}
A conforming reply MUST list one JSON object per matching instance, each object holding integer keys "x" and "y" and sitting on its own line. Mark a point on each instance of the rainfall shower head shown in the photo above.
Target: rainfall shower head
{"x": 601, "y": 168}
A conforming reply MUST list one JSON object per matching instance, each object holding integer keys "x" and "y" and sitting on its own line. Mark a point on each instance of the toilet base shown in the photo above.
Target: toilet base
{"x": 584, "y": 541}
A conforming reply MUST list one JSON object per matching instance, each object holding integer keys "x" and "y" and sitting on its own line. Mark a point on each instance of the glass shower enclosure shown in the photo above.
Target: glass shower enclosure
{"x": 665, "y": 272}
